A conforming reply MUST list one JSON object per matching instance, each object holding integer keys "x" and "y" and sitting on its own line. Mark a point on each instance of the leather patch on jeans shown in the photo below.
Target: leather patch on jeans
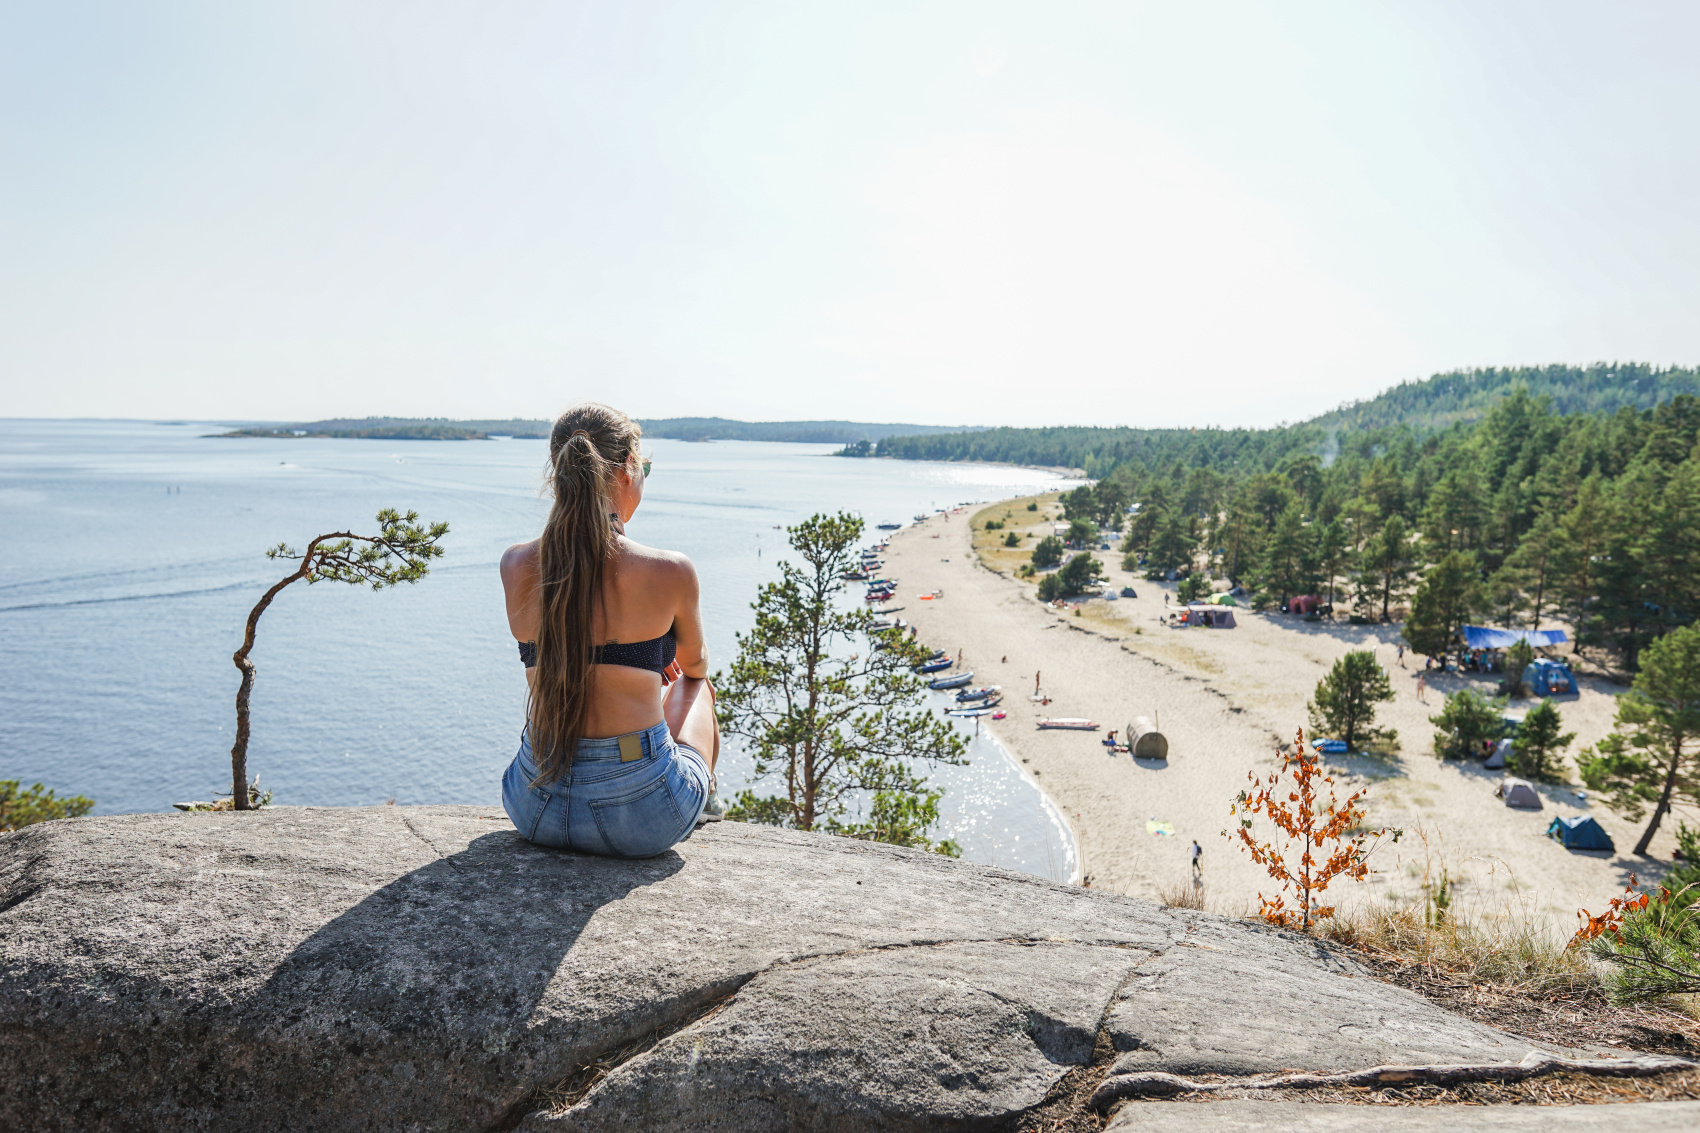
{"x": 631, "y": 747}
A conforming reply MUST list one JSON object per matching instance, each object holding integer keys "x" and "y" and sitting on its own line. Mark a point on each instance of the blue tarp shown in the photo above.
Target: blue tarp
{"x": 1579, "y": 832}
{"x": 1487, "y": 637}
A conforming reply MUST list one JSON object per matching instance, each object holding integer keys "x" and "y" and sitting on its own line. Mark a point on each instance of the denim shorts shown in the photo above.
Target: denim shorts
{"x": 631, "y": 803}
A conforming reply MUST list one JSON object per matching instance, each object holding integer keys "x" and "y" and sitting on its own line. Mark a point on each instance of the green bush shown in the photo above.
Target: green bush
{"x": 1130, "y": 561}
{"x": 1518, "y": 657}
{"x": 1048, "y": 552}
{"x": 1467, "y": 719}
{"x": 1012, "y": 540}
{"x": 1193, "y": 587}
{"x": 1539, "y": 740}
{"x": 1077, "y": 576}
{"x": 1033, "y": 506}
{"x": 24, "y": 807}
{"x": 994, "y": 525}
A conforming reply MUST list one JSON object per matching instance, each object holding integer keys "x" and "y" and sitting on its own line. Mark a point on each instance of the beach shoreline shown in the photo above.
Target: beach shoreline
{"x": 1225, "y": 699}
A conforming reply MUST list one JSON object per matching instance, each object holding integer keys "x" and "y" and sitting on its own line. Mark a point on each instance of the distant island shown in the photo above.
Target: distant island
{"x": 666, "y": 428}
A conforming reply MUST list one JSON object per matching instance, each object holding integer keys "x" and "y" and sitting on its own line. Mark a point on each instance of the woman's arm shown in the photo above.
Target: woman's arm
{"x": 687, "y": 622}
{"x": 519, "y": 586}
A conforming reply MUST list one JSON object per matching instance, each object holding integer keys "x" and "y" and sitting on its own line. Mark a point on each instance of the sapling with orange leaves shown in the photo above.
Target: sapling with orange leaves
{"x": 1310, "y": 825}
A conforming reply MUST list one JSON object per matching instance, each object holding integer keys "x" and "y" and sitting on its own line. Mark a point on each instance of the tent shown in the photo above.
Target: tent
{"x": 1501, "y": 752}
{"x": 1216, "y": 617}
{"x": 1549, "y": 678}
{"x": 1487, "y": 637}
{"x": 1145, "y": 741}
{"x": 1519, "y": 793}
{"x": 1579, "y": 832}
{"x": 1304, "y": 604}
{"x": 1223, "y": 599}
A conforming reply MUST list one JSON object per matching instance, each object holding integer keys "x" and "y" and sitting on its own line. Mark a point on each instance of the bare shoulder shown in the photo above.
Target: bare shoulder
{"x": 672, "y": 567}
{"x": 519, "y": 561}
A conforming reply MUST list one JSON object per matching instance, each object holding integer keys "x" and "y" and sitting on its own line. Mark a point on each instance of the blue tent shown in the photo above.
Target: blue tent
{"x": 1579, "y": 832}
{"x": 1549, "y": 678}
{"x": 1487, "y": 637}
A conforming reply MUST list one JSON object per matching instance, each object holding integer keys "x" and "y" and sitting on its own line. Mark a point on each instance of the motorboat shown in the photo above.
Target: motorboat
{"x": 943, "y": 683}
{"x": 966, "y": 713}
{"x": 890, "y": 526}
{"x": 977, "y": 693}
{"x": 1070, "y": 723}
{"x": 936, "y": 666}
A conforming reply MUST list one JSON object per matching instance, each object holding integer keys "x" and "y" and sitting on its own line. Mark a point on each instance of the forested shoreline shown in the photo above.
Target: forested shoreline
{"x": 1527, "y": 517}
{"x": 1537, "y": 496}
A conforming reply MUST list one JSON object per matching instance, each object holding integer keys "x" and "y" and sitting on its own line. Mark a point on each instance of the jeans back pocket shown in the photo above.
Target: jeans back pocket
{"x": 640, "y": 824}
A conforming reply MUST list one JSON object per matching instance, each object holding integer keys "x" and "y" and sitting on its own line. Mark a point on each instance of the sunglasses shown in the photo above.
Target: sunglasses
{"x": 645, "y": 463}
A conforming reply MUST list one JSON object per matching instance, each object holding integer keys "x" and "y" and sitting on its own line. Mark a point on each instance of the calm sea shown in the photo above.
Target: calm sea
{"x": 133, "y": 552}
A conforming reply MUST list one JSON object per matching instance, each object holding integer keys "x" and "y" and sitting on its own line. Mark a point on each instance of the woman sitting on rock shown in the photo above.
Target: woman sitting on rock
{"x": 618, "y": 753}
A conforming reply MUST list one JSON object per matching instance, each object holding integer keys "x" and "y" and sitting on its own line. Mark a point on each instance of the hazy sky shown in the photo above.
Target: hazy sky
{"x": 1124, "y": 213}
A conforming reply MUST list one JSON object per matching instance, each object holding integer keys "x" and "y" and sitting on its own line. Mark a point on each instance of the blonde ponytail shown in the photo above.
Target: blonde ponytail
{"x": 587, "y": 446}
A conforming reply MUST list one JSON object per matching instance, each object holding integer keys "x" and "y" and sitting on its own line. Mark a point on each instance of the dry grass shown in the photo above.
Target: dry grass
{"x": 1512, "y": 972}
{"x": 1184, "y": 894}
{"x": 1013, "y": 514}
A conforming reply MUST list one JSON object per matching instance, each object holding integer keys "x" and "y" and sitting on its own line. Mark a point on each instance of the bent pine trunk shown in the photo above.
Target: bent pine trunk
{"x": 1663, "y": 808}
{"x": 239, "y": 750}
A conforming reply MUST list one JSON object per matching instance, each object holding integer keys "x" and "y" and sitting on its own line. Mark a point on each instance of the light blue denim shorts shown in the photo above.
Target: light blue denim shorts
{"x": 624, "y": 800}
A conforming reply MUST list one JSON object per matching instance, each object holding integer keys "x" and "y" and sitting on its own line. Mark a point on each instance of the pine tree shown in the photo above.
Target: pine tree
{"x": 401, "y": 552}
{"x": 1449, "y": 594}
{"x": 1387, "y": 561}
{"x": 1539, "y": 739}
{"x": 1651, "y": 757}
{"x": 1344, "y": 701}
{"x": 832, "y": 717}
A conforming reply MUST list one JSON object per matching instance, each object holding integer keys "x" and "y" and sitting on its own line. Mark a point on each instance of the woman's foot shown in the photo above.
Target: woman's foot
{"x": 715, "y": 808}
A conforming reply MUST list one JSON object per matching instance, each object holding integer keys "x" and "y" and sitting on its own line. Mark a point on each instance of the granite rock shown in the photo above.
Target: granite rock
{"x": 424, "y": 968}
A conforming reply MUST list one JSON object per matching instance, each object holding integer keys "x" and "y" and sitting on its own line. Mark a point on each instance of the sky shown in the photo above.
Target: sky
{"x": 1121, "y": 213}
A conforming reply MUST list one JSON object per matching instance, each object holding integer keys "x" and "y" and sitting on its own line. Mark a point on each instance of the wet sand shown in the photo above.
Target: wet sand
{"x": 1223, "y": 698}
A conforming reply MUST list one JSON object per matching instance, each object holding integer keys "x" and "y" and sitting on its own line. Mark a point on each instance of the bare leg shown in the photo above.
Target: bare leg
{"x": 689, "y": 708}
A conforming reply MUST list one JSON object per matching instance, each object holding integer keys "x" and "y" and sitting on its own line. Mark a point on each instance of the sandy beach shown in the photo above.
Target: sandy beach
{"x": 1223, "y": 698}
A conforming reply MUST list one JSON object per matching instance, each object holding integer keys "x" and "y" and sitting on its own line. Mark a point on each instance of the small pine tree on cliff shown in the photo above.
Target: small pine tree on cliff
{"x": 400, "y": 552}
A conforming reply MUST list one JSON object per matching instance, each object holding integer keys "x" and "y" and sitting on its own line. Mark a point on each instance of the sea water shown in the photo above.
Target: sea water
{"x": 133, "y": 551}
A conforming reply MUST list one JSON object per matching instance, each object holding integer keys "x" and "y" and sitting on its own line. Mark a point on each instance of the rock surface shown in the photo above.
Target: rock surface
{"x": 423, "y": 968}
{"x": 1309, "y": 1117}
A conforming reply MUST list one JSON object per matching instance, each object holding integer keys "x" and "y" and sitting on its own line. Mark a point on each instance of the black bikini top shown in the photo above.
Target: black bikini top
{"x": 656, "y": 654}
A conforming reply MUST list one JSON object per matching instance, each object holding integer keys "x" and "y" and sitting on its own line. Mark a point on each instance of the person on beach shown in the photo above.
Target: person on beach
{"x": 618, "y": 752}
{"x": 1401, "y": 654}
{"x": 1422, "y": 687}
{"x": 1197, "y": 854}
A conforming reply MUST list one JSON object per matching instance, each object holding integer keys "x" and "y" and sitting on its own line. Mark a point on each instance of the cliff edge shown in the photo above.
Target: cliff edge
{"x": 424, "y": 968}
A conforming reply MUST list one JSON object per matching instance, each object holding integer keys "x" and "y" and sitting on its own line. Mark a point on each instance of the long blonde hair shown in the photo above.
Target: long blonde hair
{"x": 587, "y": 447}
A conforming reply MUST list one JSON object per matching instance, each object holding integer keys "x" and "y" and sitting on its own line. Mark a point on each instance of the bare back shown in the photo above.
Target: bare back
{"x": 645, "y": 592}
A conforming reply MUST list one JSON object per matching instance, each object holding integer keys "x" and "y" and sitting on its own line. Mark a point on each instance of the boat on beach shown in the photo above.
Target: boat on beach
{"x": 977, "y": 693}
{"x": 958, "y": 681}
{"x": 937, "y": 665}
{"x": 1070, "y": 723}
{"x": 889, "y": 526}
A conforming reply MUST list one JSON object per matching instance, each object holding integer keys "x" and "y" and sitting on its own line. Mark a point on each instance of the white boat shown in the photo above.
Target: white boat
{"x": 1071, "y": 723}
